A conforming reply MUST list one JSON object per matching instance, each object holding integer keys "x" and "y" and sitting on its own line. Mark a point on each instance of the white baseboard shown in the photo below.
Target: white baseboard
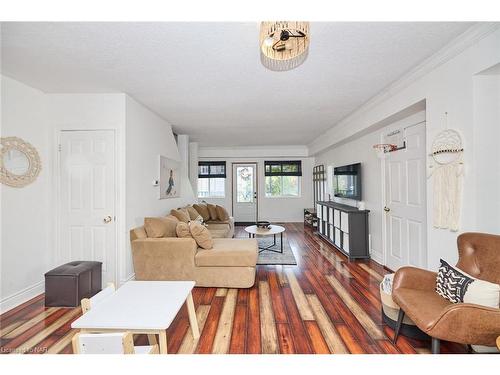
{"x": 377, "y": 257}
{"x": 131, "y": 277}
{"x": 16, "y": 299}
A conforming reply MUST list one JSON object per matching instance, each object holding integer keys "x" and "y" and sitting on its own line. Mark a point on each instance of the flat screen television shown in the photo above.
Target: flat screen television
{"x": 347, "y": 181}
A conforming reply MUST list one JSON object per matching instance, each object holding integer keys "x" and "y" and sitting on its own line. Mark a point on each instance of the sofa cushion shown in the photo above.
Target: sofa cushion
{"x": 219, "y": 233}
{"x": 182, "y": 230}
{"x": 219, "y": 230}
{"x": 229, "y": 252}
{"x": 222, "y": 214}
{"x": 157, "y": 227}
{"x": 181, "y": 214}
{"x": 213, "y": 211}
{"x": 193, "y": 214}
{"x": 201, "y": 235}
{"x": 218, "y": 222}
{"x": 202, "y": 210}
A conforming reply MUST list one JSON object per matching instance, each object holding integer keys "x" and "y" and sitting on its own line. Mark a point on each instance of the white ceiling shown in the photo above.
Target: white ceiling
{"x": 206, "y": 79}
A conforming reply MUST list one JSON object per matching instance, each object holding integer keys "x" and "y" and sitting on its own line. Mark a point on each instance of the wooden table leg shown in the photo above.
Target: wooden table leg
{"x": 163, "y": 342}
{"x": 152, "y": 339}
{"x": 192, "y": 316}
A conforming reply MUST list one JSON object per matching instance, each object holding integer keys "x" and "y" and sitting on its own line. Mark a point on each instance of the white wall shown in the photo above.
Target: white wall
{"x": 26, "y": 241}
{"x": 446, "y": 85}
{"x": 487, "y": 152}
{"x": 29, "y": 243}
{"x": 271, "y": 209}
{"x": 147, "y": 137}
{"x": 360, "y": 150}
{"x": 29, "y": 214}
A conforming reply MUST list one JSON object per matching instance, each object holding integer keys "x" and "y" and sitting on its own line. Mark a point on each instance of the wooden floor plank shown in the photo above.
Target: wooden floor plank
{"x": 277, "y": 299}
{"x": 351, "y": 343}
{"x": 318, "y": 342}
{"x": 223, "y": 335}
{"x": 371, "y": 271}
{"x": 332, "y": 338}
{"x": 373, "y": 330}
{"x": 253, "y": 326}
{"x": 31, "y": 342}
{"x": 269, "y": 337}
{"x": 28, "y": 324}
{"x": 189, "y": 343}
{"x": 285, "y": 339}
{"x": 300, "y": 337}
{"x": 208, "y": 334}
{"x": 62, "y": 342}
{"x": 239, "y": 334}
{"x": 221, "y": 292}
{"x": 299, "y": 296}
{"x": 207, "y": 296}
{"x": 326, "y": 303}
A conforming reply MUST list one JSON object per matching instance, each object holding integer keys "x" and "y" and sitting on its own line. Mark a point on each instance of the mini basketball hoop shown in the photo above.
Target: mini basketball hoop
{"x": 381, "y": 149}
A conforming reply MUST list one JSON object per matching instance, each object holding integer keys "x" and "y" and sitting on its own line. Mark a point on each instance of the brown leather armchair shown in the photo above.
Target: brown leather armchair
{"x": 466, "y": 323}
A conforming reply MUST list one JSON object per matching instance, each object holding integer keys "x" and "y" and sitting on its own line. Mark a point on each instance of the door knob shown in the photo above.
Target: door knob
{"x": 107, "y": 219}
{"x": 386, "y": 209}
{"x": 255, "y": 194}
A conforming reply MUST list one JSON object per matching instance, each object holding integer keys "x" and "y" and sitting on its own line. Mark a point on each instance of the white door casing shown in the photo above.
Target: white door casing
{"x": 244, "y": 192}
{"x": 405, "y": 202}
{"x": 87, "y": 198}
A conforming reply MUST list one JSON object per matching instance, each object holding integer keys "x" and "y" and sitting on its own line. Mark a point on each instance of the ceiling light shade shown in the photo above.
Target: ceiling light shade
{"x": 284, "y": 45}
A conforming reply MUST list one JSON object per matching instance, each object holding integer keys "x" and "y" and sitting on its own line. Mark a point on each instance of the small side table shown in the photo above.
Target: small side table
{"x": 253, "y": 230}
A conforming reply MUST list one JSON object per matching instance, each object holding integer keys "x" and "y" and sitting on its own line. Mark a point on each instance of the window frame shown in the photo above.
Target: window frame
{"x": 210, "y": 164}
{"x": 281, "y": 196}
{"x": 210, "y": 196}
{"x": 269, "y": 165}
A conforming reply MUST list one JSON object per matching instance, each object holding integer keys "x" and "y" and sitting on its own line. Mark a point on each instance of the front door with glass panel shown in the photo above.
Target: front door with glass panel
{"x": 245, "y": 192}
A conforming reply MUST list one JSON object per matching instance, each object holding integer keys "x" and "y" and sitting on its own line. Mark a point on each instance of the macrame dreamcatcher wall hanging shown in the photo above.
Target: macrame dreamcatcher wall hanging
{"x": 447, "y": 154}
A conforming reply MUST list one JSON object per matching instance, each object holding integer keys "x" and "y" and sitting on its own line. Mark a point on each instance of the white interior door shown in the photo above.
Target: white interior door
{"x": 245, "y": 192}
{"x": 405, "y": 209}
{"x": 87, "y": 187}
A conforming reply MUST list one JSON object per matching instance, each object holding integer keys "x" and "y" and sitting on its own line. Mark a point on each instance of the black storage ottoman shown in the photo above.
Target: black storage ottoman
{"x": 66, "y": 285}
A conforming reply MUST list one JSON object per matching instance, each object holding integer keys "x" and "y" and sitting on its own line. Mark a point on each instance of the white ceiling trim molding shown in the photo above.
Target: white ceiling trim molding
{"x": 253, "y": 152}
{"x": 454, "y": 48}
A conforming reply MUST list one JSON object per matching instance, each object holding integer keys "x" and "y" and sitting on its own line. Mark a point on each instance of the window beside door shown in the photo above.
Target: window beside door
{"x": 282, "y": 178}
{"x": 211, "y": 179}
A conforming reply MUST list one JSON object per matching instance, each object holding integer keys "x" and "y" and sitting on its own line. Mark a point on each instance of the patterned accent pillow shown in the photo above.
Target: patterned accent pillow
{"x": 451, "y": 283}
{"x": 457, "y": 286}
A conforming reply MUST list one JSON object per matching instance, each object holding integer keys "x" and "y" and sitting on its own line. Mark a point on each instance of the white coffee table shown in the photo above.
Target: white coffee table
{"x": 254, "y": 230}
{"x": 141, "y": 307}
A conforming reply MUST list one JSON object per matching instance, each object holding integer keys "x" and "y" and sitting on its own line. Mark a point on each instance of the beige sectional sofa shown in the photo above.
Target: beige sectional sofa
{"x": 229, "y": 264}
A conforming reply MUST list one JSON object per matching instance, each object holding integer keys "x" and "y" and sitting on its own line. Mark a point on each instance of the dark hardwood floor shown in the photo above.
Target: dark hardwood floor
{"x": 325, "y": 304}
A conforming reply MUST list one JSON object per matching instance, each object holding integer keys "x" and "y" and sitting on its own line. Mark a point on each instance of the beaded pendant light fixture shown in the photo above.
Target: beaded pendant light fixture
{"x": 283, "y": 44}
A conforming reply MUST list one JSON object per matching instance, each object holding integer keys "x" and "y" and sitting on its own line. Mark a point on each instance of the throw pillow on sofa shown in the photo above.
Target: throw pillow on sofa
{"x": 198, "y": 219}
{"x": 201, "y": 235}
{"x": 158, "y": 227}
{"x": 182, "y": 230}
{"x": 202, "y": 210}
{"x": 213, "y": 211}
{"x": 180, "y": 214}
{"x": 222, "y": 214}
{"x": 193, "y": 214}
{"x": 457, "y": 286}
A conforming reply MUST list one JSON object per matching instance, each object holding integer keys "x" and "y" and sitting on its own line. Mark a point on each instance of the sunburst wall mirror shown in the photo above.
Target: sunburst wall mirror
{"x": 20, "y": 163}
